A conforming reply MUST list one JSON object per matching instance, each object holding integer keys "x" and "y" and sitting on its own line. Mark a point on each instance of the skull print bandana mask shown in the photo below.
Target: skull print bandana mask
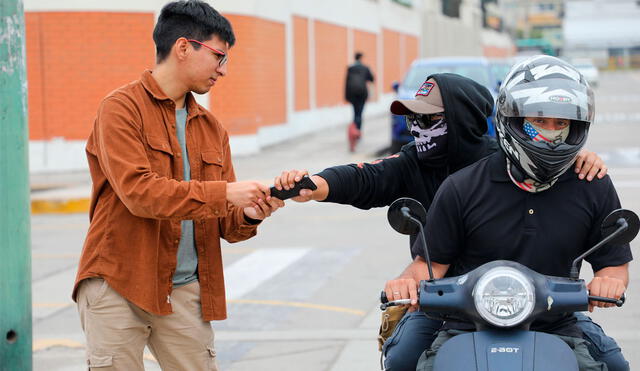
{"x": 431, "y": 143}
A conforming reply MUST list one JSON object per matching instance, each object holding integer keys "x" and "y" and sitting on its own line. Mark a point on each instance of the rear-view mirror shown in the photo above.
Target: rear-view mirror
{"x": 398, "y": 214}
{"x": 615, "y": 220}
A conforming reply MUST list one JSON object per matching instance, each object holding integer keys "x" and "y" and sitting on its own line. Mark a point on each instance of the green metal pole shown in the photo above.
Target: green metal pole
{"x": 15, "y": 246}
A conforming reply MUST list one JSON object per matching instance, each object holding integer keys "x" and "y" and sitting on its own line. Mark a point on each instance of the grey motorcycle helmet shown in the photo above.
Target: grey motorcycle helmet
{"x": 543, "y": 86}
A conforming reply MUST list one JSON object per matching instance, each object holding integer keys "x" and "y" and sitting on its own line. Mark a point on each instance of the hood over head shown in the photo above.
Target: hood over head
{"x": 467, "y": 105}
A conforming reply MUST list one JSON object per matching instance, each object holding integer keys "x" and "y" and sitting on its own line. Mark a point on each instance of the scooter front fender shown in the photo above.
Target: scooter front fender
{"x": 499, "y": 350}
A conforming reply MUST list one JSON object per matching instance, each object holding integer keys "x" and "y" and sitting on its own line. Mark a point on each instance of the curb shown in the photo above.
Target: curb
{"x": 76, "y": 205}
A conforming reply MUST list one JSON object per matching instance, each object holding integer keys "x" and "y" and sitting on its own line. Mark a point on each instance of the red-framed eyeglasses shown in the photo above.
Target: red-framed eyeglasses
{"x": 223, "y": 55}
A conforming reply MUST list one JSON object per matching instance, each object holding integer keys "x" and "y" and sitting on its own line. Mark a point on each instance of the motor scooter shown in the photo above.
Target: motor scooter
{"x": 502, "y": 298}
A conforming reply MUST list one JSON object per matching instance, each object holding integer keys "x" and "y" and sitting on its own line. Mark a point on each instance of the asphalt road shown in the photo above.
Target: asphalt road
{"x": 303, "y": 294}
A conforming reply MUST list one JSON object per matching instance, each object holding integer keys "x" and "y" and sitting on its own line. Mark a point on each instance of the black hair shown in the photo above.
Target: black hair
{"x": 193, "y": 19}
{"x": 358, "y": 56}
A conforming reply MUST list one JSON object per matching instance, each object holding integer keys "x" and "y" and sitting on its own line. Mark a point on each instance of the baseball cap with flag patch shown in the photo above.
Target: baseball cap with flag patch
{"x": 427, "y": 100}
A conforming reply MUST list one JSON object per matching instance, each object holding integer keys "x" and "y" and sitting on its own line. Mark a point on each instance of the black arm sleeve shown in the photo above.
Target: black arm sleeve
{"x": 608, "y": 255}
{"x": 370, "y": 185}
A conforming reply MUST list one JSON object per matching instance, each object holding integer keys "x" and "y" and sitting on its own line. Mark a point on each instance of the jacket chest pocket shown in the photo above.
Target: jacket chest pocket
{"x": 160, "y": 156}
{"x": 212, "y": 165}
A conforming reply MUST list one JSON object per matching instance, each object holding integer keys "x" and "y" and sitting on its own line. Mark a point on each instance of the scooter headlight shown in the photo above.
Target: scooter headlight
{"x": 504, "y": 296}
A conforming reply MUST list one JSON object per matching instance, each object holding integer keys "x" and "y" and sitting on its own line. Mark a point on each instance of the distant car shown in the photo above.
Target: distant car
{"x": 489, "y": 73}
{"x": 588, "y": 70}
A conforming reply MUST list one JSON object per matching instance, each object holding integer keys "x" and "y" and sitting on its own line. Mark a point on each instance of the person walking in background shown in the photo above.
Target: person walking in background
{"x": 356, "y": 92}
{"x": 164, "y": 193}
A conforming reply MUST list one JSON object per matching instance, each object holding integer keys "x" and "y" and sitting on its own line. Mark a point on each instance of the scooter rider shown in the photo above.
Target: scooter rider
{"x": 463, "y": 106}
{"x": 522, "y": 204}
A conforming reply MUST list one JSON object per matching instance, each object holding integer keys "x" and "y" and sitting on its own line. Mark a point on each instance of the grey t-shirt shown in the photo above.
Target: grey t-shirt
{"x": 187, "y": 268}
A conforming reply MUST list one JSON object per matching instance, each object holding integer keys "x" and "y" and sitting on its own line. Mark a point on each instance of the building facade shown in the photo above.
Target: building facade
{"x": 286, "y": 71}
{"x": 608, "y": 32}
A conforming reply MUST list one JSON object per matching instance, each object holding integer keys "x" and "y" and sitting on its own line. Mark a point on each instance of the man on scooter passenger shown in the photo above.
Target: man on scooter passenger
{"x": 523, "y": 204}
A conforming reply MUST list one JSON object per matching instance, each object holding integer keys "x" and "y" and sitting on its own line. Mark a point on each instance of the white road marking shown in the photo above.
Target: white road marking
{"x": 241, "y": 277}
{"x": 252, "y": 270}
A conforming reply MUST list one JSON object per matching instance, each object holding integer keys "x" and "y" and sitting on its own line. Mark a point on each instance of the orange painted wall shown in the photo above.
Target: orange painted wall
{"x": 253, "y": 93}
{"x": 411, "y": 51}
{"x": 301, "y": 62}
{"x": 331, "y": 63}
{"x": 74, "y": 59}
{"x": 392, "y": 59}
{"x": 490, "y": 51}
{"x": 366, "y": 42}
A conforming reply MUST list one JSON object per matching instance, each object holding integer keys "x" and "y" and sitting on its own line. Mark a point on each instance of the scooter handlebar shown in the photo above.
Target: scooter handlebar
{"x": 617, "y": 302}
{"x": 385, "y": 303}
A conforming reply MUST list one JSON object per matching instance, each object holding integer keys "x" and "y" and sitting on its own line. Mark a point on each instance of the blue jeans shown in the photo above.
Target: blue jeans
{"x": 601, "y": 347}
{"x": 415, "y": 333}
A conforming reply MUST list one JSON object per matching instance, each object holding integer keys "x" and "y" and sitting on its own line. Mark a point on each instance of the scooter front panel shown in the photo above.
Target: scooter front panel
{"x": 498, "y": 350}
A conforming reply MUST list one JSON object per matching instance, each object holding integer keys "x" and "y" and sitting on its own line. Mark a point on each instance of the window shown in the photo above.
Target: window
{"x": 451, "y": 8}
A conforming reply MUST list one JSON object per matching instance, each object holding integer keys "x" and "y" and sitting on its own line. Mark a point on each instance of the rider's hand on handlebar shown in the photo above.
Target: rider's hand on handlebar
{"x": 287, "y": 180}
{"x": 608, "y": 287}
{"x": 403, "y": 288}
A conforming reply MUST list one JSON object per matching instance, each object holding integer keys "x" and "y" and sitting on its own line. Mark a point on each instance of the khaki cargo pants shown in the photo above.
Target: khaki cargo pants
{"x": 117, "y": 331}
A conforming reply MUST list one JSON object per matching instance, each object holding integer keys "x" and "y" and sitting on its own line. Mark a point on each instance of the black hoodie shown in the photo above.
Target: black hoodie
{"x": 467, "y": 105}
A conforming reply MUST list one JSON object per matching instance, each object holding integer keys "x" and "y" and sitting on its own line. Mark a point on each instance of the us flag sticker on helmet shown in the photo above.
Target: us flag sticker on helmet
{"x": 425, "y": 89}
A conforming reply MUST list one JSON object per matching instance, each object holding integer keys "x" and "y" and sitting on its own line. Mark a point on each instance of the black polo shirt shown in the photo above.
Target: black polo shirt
{"x": 478, "y": 215}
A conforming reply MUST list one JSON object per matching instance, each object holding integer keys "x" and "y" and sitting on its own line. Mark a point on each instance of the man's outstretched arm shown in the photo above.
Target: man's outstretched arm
{"x": 287, "y": 180}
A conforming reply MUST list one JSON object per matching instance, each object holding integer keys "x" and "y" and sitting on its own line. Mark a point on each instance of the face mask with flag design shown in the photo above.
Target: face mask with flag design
{"x": 538, "y": 134}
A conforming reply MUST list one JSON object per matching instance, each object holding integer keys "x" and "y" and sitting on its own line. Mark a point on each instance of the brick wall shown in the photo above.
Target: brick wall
{"x": 391, "y": 59}
{"x": 331, "y": 63}
{"x": 74, "y": 59}
{"x": 411, "y": 51}
{"x": 366, "y": 42}
{"x": 253, "y": 94}
{"x": 400, "y": 50}
{"x": 301, "y": 62}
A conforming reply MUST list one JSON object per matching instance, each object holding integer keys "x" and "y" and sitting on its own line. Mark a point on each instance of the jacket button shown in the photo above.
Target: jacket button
{"x": 531, "y": 211}
{"x": 177, "y": 240}
{"x": 216, "y": 212}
